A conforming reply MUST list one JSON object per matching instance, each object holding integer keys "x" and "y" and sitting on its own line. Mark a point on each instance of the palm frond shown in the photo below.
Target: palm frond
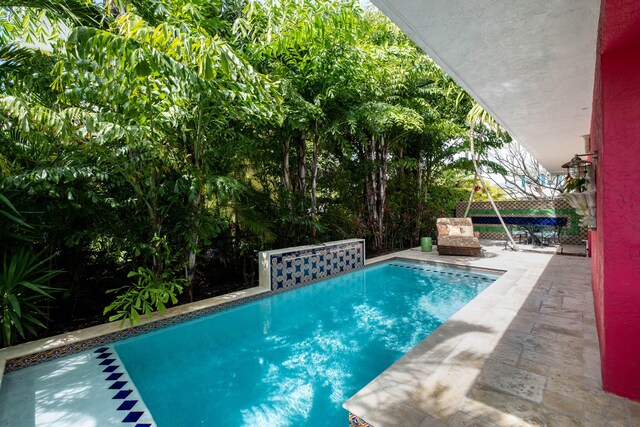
{"x": 79, "y": 12}
{"x": 13, "y": 57}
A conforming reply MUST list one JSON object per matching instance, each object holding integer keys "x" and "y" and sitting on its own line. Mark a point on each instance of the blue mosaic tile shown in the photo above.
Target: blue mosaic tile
{"x": 110, "y": 368}
{"x": 114, "y": 376}
{"x": 132, "y": 417}
{"x": 301, "y": 267}
{"x": 122, "y": 394}
{"x": 107, "y": 361}
{"x": 101, "y": 350}
{"x": 104, "y": 355}
{"x": 118, "y": 385}
{"x": 127, "y": 405}
{"x": 143, "y": 425}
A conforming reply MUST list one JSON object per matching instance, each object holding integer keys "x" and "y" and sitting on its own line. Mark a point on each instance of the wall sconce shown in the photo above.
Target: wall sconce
{"x": 578, "y": 168}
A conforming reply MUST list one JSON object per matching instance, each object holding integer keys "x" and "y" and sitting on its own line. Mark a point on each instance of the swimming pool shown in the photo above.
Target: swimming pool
{"x": 293, "y": 358}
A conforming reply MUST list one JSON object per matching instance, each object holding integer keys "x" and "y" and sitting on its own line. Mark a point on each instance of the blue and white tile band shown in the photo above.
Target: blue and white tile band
{"x": 293, "y": 267}
{"x": 129, "y": 402}
{"x": 440, "y": 271}
{"x": 87, "y": 389}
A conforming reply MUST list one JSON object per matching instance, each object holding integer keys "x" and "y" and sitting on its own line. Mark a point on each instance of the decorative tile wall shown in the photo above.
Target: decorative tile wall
{"x": 293, "y": 267}
{"x": 571, "y": 233}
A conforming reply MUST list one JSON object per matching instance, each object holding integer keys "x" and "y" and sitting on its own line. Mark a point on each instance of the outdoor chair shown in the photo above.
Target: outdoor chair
{"x": 456, "y": 237}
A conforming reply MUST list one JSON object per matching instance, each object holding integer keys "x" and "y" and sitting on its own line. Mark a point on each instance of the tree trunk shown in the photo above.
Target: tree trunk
{"x": 194, "y": 240}
{"x": 428, "y": 174}
{"x": 419, "y": 180}
{"x": 197, "y": 204}
{"x": 301, "y": 185}
{"x": 382, "y": 188}
{"x": 372, "y": 195}
{"x": 372, "y": 191}
{"x": 286, "y": 179}
{"x": 157, "y": 260}
{"x": 314, "y": 182}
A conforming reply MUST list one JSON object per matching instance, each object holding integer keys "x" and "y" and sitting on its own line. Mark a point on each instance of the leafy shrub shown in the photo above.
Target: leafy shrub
{"x": 577, "y": 185}
{"x": 152, "y": 292}
{"x": 23, "y": 291}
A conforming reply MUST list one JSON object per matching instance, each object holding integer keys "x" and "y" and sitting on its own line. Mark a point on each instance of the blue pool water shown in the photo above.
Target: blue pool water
{"x": 292, "y": 359}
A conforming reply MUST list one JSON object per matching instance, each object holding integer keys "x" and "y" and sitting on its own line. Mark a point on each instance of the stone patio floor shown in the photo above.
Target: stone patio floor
{"x": 523, "y": 353}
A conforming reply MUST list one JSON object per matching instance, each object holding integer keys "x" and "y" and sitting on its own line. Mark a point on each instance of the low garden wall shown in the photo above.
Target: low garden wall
{"x": 486, "y": 221}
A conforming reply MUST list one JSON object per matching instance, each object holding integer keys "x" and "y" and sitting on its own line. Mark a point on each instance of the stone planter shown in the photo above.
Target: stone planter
{"x": 585, "y": 205}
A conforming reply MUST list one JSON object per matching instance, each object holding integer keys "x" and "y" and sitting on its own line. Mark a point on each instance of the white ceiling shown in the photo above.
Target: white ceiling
{"x": 530, "y": 63}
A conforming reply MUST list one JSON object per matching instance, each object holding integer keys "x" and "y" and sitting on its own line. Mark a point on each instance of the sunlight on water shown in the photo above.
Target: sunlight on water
{"x": 294, "y": 358}
{"x": 292, "y": 399}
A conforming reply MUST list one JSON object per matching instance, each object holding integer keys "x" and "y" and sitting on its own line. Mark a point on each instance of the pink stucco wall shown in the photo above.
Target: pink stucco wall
{"x": 615, "y": 133}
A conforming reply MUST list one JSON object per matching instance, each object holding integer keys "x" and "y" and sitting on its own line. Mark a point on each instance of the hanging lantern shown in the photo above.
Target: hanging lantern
{"x": 576, "y": 167}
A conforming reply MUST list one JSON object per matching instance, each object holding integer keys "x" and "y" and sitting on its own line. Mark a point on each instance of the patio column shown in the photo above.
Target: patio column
{"x": 615, "y": 133}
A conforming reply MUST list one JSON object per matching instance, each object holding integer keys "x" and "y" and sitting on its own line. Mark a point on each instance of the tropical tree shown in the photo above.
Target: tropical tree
{"x": 153, "y": 109}
{"x": 306, "y": 46}
{"x": 144, "y": 144}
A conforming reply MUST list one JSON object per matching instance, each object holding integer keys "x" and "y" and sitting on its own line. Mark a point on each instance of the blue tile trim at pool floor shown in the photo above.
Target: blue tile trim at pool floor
{"x": 132, "y": 407}
{"x": 90, "y": 388}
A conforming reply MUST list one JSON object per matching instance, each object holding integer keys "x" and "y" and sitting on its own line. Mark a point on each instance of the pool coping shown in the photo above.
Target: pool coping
{"x": 426, "y": 385}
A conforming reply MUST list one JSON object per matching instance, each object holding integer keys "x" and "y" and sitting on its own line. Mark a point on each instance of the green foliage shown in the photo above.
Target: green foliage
{"x": 150, "y": 292}
{"x": 445, "y": 199}
{"x": 12, "y": 225}
{"x": 151, "y": 133}
{"x": 577, "y": 185}
{"x": 23, "y": 293}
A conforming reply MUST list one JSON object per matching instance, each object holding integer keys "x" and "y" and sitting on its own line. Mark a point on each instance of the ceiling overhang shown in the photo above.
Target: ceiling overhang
{"x": 530, "y": 64}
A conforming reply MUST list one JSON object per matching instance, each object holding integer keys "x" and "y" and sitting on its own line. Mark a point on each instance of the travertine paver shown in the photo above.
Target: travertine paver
{"x": 523, "y": 353}
{"x": 514, "y": 380}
